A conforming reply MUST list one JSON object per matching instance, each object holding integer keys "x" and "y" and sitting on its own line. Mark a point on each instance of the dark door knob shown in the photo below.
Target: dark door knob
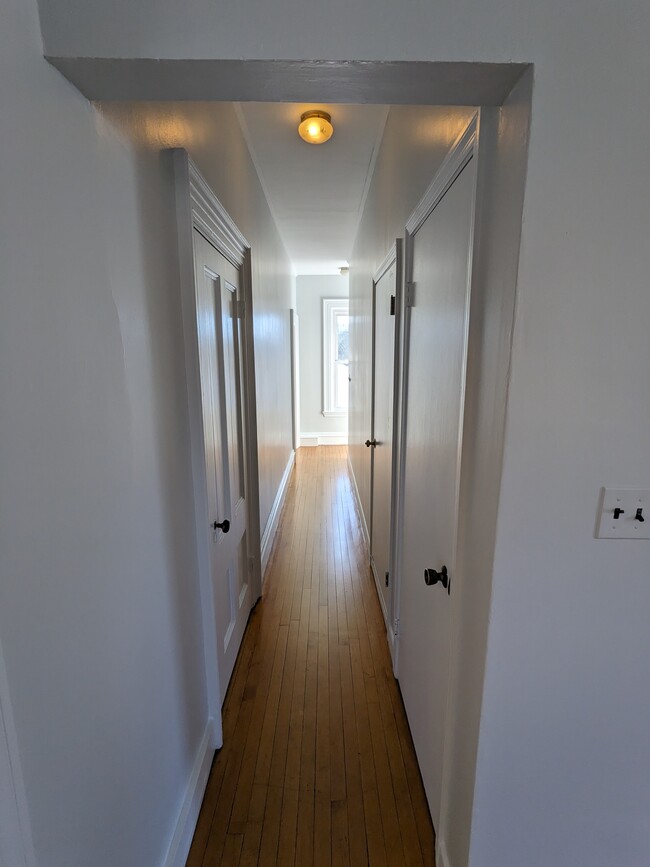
{"x": 372, "y": 443}
{"x": 224, "y": 525}
{"x": 433, "y": 577}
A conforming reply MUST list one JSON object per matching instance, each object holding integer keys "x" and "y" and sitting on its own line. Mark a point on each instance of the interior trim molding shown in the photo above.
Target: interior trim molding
{"x": 442, "y": 856}
{"x": 389, "y": 259}
{"x": 309, "y": 439}
{"x": 211, "y": 218}
{"x": 380, "y": 594}
{"x": 271, "y": 528}
{"x": 188, "y": 815}
{"x": 395, "y": 82}
{"x": 459, "y": 155}
{"x": 390, "y": 628}
{"x": 15, "y": 827}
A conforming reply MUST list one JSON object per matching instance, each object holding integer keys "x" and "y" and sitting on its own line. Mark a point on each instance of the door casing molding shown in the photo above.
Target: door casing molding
{"x": 197, "y": 207}
{"x": 15, "y": 828}
{"x": 394, "y": 256}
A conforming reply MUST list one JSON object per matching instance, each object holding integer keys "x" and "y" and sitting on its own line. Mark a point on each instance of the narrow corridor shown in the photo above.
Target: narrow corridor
{"x": 318, "y": 765}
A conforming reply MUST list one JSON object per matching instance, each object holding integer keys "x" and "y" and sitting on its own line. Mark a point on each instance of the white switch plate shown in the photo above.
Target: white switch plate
{"x": 625, "y": 526}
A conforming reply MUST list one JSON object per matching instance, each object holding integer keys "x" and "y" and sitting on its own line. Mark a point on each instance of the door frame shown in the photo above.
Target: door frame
{"x": 15, "y": 826}
{"x": 198, "y": 208}
{"x": 394, "y": 257}
{"x": 294, "y": 332}
{"x": 465, "y": 148}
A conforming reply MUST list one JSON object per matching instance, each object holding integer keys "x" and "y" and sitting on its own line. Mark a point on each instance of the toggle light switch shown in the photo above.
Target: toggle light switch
{"x": 624, "y": 514}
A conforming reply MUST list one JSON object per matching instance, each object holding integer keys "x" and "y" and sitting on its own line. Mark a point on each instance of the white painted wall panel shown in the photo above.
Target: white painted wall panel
{"x": 211, "y": 134}
{"x": 415, "y": 142}
{"x": 99, "y": 604}
{"x": 562, "y": 776}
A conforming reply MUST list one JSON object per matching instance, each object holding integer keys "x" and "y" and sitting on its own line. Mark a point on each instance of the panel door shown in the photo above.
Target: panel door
{"x": 220, "y": 360}
{"x": 382, "y": 431}
{"x": 435, "y": 392}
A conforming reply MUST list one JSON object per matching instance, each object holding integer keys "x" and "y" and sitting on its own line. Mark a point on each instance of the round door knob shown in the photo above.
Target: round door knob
{"x": 431, "y": 576}
{"x": 224, "y": 525}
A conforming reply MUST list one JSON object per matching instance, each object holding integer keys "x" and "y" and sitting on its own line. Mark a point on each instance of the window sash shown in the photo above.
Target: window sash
{"x": 332, "y": 399}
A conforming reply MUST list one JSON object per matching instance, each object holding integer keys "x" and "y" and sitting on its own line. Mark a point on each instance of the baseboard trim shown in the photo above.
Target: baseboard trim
{"x": 390, "y": 633}
{"x": 442, "y": 857}
{"x": 274, "y": 517}
{"x": 323, "y": 439}
{"x": 380, "y": 591}
{"x": 355, "y": 491}
{"x": 189, "y": 813}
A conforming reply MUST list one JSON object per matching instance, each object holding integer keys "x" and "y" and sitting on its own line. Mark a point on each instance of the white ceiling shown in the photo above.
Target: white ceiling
{"x": 316, "y": 192}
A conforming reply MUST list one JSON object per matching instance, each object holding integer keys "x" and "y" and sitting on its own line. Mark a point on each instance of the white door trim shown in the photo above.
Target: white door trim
{"x": 462, "y": 151}
{"x": 16, "y": 845}
{"x": 394, "y": 256}
{"x": 460, "y": 154}
{"x": 197, "y": 207}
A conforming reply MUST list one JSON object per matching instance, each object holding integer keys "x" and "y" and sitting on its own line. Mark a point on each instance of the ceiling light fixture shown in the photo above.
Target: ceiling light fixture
{"x": 315, "y": 127}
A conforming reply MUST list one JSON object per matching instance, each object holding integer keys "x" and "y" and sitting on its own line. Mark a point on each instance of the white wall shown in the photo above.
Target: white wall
{"x": 211, "y": 134}
{"x": 416, "y": 140}
{"x": 99, "y": 605}
{"x": 310, "y": 291}
{"x": 563, "y": 774}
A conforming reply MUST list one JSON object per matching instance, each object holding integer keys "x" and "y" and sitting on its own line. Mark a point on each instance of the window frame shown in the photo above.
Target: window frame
{"x": 331, "y": 307}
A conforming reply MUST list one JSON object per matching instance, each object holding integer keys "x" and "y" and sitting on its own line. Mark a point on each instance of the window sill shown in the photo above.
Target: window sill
{"x": 331, "y": 413}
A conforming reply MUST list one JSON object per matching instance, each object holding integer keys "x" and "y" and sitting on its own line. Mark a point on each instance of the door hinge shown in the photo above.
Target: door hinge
{"x": 396, "y": 626}
{"x": 387, "y": 578}
{"x": 392, "y": 305}
{"x": 410, "y": 294}
{"x": 240, "y": 309}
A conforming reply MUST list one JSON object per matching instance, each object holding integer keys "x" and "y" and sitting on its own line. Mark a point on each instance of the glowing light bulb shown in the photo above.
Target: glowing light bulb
{"x": 315, "y": 127}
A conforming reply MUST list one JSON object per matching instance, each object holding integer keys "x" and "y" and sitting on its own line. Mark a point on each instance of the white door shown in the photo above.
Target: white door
{"x": 220, "y": 341}
{"x": 382, "y": 432}
{"x": 435, "y": 391}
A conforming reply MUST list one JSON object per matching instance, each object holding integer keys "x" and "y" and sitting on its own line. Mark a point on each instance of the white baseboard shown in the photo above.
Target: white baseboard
{"x": 442, "y": 857}
{"x": 355, "y": 490}
{"x": 323, "y": 439}
{"x": 380, "y": 591}
{"x": 390, "y": 634}
{"x": 272, "y": 523}
{"x": 189, "y": 813}
{"x": 17, "y": 845}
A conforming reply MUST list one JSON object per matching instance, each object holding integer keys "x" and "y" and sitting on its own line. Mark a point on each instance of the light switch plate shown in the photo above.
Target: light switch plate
{"x": 629, "y": 500}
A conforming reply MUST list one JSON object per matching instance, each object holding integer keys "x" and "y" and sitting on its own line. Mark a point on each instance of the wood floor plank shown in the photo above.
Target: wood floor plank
{"x": 318, "y": 765}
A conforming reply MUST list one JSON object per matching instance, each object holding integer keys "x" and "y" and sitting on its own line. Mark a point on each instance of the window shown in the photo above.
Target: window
{"x": 336, "y": 355}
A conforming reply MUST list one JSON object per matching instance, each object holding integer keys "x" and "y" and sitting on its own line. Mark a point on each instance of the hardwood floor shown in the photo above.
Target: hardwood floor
{"x": 318, "y": 765}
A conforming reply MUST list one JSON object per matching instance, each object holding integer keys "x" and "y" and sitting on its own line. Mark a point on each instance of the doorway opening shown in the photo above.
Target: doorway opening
{"x": 383, "y": 195}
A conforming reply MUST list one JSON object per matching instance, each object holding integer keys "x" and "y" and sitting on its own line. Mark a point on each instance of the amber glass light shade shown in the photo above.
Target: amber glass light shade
{"x": 315, "y": 127}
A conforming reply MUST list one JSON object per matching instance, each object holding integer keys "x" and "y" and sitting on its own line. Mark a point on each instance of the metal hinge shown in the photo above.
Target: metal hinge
{"x": 410, "y": 294}
{"x": 396, "y": 626}
{"x": 387, "y": 578}
{"x": 392, "y": 305}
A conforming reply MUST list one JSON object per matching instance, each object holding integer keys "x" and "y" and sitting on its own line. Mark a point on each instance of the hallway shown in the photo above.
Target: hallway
{"x": 318, "y": 765}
